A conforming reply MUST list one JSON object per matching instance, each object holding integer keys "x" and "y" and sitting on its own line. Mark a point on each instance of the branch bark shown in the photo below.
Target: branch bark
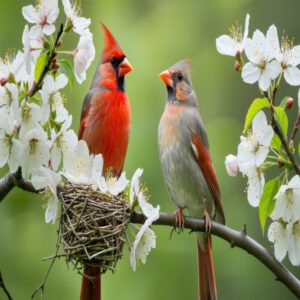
{"x": 236, "y": 239}
{"x": 11, "y": 180}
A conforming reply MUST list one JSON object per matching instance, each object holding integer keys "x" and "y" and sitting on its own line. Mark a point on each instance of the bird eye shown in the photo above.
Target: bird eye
{"x": 114, "y": 61}
{"x": 179, "y": 76}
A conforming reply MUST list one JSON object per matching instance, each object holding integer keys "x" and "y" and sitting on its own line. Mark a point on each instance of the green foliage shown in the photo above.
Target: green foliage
{"x": 267, "y": 203}
{"x": 276, "y": 142}
{"x": 282, "y": 119}
{"x": 40, "y": 64}
{"x": 257, "y": 105}
{"x": 66, "y": 67}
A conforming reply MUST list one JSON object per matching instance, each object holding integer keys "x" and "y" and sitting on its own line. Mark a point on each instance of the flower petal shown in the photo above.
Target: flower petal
{"x": 226, "y": 45}
{"x": 250, "y": 73}
{"x": 30, "y": 14}
{"x": 292, "y": 75}
{"x": 135, "y": 182}
{"x": 119, "y": 186}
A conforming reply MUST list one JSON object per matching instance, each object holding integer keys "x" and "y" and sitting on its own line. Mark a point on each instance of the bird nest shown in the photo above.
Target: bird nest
{"x": 93, "y": 226}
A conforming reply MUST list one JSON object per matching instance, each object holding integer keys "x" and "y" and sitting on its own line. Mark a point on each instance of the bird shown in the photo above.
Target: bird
{"x": 105, "y": 126}
{"x": 187, "y": 168}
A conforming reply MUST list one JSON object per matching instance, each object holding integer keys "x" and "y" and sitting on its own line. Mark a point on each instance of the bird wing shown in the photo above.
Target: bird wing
{"x": 203, "y": 158}
{"x": 91, "y": 109}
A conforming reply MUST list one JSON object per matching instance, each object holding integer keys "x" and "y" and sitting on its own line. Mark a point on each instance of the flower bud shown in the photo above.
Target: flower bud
{"x": 289, "y": 103}
{"x": 231, "y": 164}
{"x": 237, "y": 66}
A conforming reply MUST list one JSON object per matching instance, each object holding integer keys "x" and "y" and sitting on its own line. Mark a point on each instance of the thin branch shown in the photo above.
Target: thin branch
{"x": 38, "y": 85}
{"x": 280, "y": 134}
{"x": 2, "y": 285}
{"x": 53, "y": 259}
{"x": 295, "y": 130}
{"x": 235, "y": 238}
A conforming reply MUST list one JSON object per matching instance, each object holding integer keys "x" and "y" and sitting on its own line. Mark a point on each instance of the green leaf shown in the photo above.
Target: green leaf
{"x": 257, "y": 105}
{"x": 267, "y": 203}
{"x": 276, "y": 142}
{"x": 40, "y": 64}
{"x": 66, "y": 67}
{"x": 299, "y": 149}
{"x": 282, "y": 119}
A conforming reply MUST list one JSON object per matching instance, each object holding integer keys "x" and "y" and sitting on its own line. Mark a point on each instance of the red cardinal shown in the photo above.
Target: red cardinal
{"x": 105, "y": 126}
{"x": 187, "y": 167}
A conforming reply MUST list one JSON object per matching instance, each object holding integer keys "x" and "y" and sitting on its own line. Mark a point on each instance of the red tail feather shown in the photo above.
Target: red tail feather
{"x": 207, "y": 282}
{"x": 91, "y": 283}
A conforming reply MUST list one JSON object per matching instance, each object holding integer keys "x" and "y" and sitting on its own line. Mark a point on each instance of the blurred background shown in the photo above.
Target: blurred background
{"x": 154, "y": 34}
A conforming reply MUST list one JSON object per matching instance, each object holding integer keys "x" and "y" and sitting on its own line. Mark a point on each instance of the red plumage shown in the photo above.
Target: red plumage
{"x": 105, "y": 126}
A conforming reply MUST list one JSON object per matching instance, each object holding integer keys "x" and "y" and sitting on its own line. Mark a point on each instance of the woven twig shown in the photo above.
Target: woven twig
{"x": 93, "y": 226}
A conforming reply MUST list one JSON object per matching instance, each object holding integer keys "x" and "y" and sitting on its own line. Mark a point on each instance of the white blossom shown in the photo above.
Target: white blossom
{"x": 9, "y": 99}
{"x": 277, "y": 234}
{"x": 135, "y": 186}
{"x": 260, "y": 51}
{"x": 289, "y": 58}
{"x": 287, "y": 205}
{"x": 294, "y": 242}
{"x": 253, "y": 149}
{"x": 78, "y": 164}
{"x": 84, "y": 54}
{"x": 44, "y": 15}
{"x": 63, "y": 143}
{"x": 36, "y": 151}
{"x": 145, "y": 238}
{"x": 79, "y": 24}
{"x": 12, "y": 65}
{"x": 31, "y": 48}
{"x": 9, "y": 145}
{"x": 256, "y": 182}
{"x": 231, "y": 164}
{"x": 252, "y": 152}
{"x": 46, "y": 179}
{"x": 31, "y": 114}
{"x": 52, "y": 98}
{"x": 111, "y": 185}
{"x": 234, "y": 43}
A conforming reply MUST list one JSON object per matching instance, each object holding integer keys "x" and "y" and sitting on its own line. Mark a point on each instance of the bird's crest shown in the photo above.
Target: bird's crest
{"x": 184, "y": 66}
{"x": 112, "y": 48}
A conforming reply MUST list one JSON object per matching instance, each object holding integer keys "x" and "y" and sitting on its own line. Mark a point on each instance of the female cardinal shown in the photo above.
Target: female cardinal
{"x": 105, "y": 126}
{"x": 187, "y": 167}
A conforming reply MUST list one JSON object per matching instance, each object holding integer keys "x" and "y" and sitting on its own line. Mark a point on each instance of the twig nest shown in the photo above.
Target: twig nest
{"x": 93, "y": 226}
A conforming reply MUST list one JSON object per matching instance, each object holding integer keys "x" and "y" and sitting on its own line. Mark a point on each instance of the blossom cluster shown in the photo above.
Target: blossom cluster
{"x": 35, "y": 127}
{"x": 260, "y": 148}
{"x": 35, "y": 134}
{"x": 268, "y": 58}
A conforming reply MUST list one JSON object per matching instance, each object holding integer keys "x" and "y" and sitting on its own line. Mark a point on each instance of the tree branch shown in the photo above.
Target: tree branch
{"x": 10, "y": 180}
{"x": 280, "y": 134}
{"x": 295, "y": 130}
{"x": 38, "y": 85}
{"x": 236, "y": 239}
{"x": 3, "y": 286}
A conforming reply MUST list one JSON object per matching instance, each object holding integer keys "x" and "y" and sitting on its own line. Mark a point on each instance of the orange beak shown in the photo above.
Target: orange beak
{"x": 125, "y": 67}
{"x": 166, "y": 78}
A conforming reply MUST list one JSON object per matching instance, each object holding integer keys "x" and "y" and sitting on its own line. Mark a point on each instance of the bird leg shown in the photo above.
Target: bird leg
{"x": 179, "y": 219}
{"x": 207, "y": 222}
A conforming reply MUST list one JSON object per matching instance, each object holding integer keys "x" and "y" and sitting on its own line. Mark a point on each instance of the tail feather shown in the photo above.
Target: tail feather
{"x": 91, "y": 283}
{"x": 207, "y": 282}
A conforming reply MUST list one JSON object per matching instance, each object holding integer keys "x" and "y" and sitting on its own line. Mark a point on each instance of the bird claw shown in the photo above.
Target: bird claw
{"x": 179, "y": 220}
